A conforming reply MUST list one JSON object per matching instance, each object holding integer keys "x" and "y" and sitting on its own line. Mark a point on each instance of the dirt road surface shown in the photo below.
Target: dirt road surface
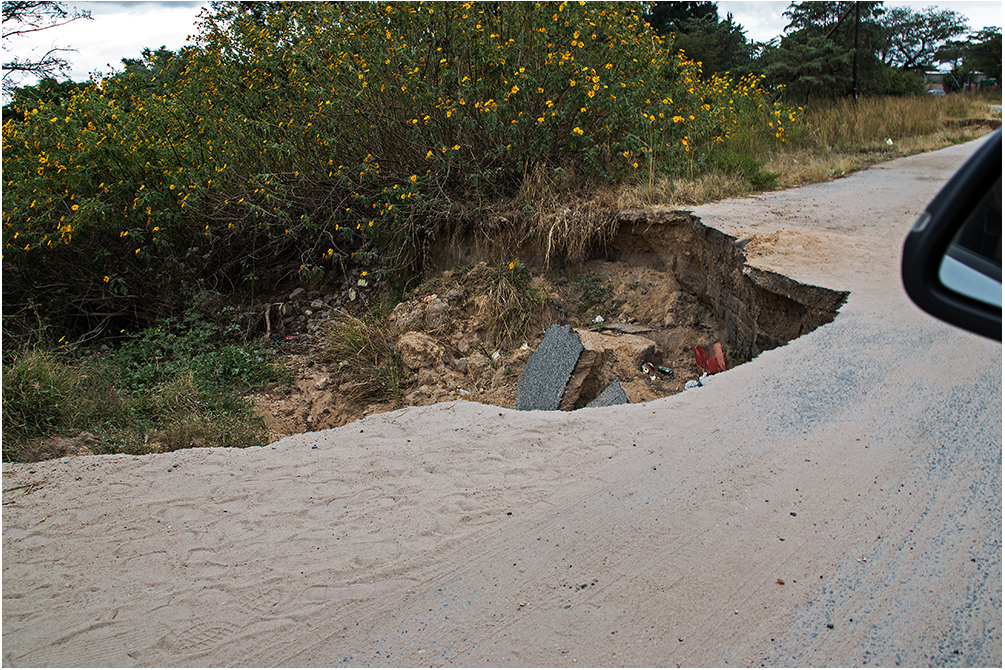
{"x": 836, "y": 501}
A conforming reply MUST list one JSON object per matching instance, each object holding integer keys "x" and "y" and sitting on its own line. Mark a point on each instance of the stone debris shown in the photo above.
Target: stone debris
{"x": 612, "y": 395}
{"x": 543, "y": 379}
{"x": 574, "y": 368}
{"x": 419, "y": 350}
{"x": 631, "y": 328}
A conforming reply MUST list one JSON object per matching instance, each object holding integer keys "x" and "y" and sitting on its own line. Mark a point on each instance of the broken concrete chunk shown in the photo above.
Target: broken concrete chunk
{"x": 605, "y": 358}
{"x": 584, "y": 383}
{"x": 612, "y": 395}
{"x": 542, "y": 381}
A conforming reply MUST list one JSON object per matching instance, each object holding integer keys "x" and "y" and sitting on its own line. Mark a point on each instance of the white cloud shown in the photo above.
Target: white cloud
{"x": 117, "y": 30}
{"x": 121, "y": 29}
{"x": 763, "y": 20}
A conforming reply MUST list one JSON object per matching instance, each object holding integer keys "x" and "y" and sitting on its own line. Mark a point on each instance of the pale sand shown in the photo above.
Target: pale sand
{"x": 860, "y": 465}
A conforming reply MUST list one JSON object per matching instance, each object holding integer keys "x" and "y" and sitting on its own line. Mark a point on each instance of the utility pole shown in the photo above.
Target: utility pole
{"x": 854, "y": 62}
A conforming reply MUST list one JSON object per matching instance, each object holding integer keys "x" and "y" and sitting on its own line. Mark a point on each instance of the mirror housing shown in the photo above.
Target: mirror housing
{"x": 951, "y": 264}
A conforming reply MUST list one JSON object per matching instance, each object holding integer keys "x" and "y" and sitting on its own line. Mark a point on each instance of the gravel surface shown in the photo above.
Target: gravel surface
{"x": 836, "y": 501}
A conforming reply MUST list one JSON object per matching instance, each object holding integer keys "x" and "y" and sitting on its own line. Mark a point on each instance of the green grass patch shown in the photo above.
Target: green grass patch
{"x": 175, "y": 385}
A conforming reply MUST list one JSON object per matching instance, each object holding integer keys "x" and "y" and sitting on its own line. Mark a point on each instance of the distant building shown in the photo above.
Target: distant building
{"x": 946, "y": 81}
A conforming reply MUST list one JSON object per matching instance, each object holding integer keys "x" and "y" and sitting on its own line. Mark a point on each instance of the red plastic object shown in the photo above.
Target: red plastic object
{"x": 710, "y": 358}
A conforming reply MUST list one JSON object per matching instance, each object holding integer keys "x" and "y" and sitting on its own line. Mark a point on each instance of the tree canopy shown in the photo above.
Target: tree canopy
{"x": 720, "y": 45}
{"x": 912, "y": 39}
{"x": 835, "y": 48}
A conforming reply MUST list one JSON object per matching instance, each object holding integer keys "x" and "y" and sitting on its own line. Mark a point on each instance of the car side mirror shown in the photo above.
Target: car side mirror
{"x": 952, "y": 260}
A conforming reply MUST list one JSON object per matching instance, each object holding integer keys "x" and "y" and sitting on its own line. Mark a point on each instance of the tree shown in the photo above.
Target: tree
{"x": 23, "y": 17}
{"x": 984, "y": 53}
{"x": 808, "y": 66}
{"x": 816, "y": 17}
{"x": 672, "y": 17}
{"x": 828, "y": 47}
{"x": 914, "y": 40}
{"x": 720, "y": 45}
{"x": 161, "y": 67}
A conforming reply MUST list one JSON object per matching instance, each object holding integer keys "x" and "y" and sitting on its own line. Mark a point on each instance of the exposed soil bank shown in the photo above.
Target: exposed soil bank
{"x": 755, "y": 310}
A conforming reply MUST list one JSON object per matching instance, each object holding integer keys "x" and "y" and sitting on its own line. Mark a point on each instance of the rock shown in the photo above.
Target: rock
{"x": 317, "y": 304}
{"x": 436, "y": 313}
{"x": 297, "y": 292}
{"x": 419, "y": 350}
{"x": 461, "y": 365}
{"x": 478, "y": 363}
{"x": 406, "y": 314}
{"x": 625, "y": 353}
{"x": 612, "y": 395}
{"x": 454, "y": 294}
{"x": 321, "y": 383}
{"x": 542, "y": 381}
{"x": 427, "y": 377}
{"x": 605, "y": 358}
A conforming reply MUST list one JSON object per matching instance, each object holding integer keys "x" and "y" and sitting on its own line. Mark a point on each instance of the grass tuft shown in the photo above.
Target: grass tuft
{"x": 369, "y": 368}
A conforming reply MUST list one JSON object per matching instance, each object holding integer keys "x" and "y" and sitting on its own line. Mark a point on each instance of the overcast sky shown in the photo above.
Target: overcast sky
{"x": 121, "y": 29}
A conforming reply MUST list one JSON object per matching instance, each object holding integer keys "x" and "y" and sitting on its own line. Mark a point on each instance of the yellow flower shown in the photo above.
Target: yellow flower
{"x": 414, "y": 178}
{"x": 75, "y": 207}
{"x": 578, "y": 130}
{"x": 107, "y": 279}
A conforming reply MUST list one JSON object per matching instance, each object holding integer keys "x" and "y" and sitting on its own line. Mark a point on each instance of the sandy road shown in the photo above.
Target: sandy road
{"x": 836, "y": 501}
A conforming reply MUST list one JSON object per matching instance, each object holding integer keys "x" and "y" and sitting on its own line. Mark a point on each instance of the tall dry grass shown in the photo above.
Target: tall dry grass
{"x": 833, "y": 139}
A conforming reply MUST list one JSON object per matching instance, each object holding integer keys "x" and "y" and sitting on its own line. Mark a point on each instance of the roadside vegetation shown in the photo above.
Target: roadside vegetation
{"x": 309, "y": 142}
{"x": 174, "y": 385}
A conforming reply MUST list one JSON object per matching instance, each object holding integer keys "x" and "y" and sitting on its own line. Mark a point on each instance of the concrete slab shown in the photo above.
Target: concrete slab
{"x": 612, "y": 395}
{"x": 543, "y": 379}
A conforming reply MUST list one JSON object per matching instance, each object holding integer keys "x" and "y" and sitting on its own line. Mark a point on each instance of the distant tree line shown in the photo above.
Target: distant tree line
{"x": 837, "y": 49}
{"x": 830, "y": 49}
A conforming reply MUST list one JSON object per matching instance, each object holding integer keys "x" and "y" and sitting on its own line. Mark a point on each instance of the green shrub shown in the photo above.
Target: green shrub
{"x": 174, "y": 385}
{"x": 747, "y": 165}
{"x": 305, "y": 137}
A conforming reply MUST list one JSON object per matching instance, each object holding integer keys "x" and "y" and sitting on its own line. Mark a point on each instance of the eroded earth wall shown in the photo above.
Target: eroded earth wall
{"x": 756, "y": 309}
